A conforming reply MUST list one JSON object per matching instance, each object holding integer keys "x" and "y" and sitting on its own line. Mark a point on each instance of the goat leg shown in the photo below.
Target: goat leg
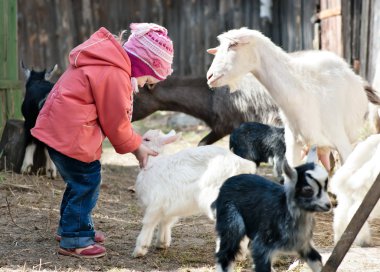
{"x": 150, "y": 221}
{"x": 210, "y": 138}
{"x": 27, "y": 164}
{"x": 164, "y": 233}
{"x": 313, "y": 258}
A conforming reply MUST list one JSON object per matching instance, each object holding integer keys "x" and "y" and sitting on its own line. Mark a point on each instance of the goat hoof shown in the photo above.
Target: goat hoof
{"x": 52, "y": 174}
{"x": 163, "y": 245}
{"x": 26, "y": 169}
{"x": 139, "y": 252}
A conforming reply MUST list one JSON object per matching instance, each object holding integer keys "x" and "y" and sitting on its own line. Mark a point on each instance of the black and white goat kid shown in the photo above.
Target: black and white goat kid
{"x": 37, "y": 89}
{"x": 276, "y": 218}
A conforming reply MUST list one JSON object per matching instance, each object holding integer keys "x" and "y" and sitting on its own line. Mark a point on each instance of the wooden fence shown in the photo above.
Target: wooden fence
{"x": 361, "y": 26}
{"x": 49, "y": 29}
{"x": 350, "y": 28}
{"x": 10, "y": 86}
{"x": 54, "y": 27}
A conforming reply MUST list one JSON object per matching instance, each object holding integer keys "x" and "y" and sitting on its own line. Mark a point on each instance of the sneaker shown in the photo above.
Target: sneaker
{"x": 90, "y": 252}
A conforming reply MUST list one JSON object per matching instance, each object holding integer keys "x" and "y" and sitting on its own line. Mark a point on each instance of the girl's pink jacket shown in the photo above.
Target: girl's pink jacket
{"x": 92, "y": 100}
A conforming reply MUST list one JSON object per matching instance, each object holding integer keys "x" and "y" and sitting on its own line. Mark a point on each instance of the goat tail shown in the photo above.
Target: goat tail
{"x": 372, "y": 94}
{"x": 374, "y": 109}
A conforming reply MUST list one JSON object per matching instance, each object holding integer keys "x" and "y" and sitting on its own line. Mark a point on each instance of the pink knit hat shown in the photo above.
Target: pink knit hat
{"x": 150, "y": 50}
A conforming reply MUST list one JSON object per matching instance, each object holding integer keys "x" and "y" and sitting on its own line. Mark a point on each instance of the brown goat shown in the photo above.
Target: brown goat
{"x": 221, "y": 110}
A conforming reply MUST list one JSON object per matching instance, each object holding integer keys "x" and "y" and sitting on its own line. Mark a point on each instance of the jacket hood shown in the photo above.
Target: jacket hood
{"x": 100, "y": 49}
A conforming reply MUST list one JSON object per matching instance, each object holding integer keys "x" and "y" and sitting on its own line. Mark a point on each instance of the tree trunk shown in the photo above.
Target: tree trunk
{"x": 12, "y": 146}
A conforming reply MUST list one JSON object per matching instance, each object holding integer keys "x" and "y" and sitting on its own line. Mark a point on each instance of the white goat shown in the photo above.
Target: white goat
{"x": 352, "y": 182}
{"x": 181, "y": 184}
{"x": 322, "y": 100}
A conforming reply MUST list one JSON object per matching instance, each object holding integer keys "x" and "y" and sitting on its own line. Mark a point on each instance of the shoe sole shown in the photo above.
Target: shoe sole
{"x": 76, "y": 255}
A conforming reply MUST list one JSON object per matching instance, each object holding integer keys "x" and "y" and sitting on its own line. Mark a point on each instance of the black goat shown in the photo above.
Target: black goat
{"x": 221, "y": 110}
{"x": 276, "y": 218}
{"x": 37, "y": 88}
{"x": 260, "y": 143}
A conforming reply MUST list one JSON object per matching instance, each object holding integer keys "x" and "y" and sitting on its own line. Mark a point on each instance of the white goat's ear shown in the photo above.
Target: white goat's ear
{"x": 170, "y": 137}
{"x": 171, "y": 133}
{"x": 312, "y": 156}
{"x": 51, "y": 72}
{"x": 212, "y": 51}
{"x": 289, "y": 172}
{"x": 25, "y": 70}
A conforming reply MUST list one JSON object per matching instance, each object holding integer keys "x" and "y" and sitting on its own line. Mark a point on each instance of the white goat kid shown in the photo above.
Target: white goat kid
{"x": 181, "y": 184}
{"x": 322, "y": 100}
{"x": 352, "y": 182}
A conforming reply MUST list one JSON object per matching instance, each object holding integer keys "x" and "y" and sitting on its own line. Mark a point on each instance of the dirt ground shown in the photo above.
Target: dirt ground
{"x": 29, "y": 209}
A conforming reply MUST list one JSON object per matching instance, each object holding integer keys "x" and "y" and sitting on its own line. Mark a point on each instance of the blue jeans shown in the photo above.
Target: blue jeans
{"x": 79, "y": 199}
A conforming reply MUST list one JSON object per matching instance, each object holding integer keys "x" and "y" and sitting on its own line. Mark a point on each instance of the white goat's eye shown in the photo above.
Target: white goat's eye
{"x": 146, "y": 140}
{"x": 232, "y": 45}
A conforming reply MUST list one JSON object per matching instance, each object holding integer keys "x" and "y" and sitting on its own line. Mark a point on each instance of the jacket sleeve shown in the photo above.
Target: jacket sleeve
{"x": 113, "y": 99}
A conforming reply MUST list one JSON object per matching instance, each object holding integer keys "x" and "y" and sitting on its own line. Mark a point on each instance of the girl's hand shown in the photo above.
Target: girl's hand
{"x": 142, "y": 153}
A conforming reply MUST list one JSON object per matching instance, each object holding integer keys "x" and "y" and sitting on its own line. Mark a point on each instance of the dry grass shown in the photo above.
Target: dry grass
{"x": 29, "y": 211}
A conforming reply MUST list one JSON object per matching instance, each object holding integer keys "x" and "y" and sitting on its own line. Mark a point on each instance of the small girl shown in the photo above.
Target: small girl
{"x": 92, "y": 100}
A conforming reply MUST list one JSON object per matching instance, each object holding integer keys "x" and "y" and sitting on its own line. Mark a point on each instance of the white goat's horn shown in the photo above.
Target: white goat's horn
{"x": 312, "y": 156}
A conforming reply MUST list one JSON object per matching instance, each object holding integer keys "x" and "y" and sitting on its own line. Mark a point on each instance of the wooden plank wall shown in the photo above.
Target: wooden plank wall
{"x": 373, "y": 40}
{"x": 331, "y": 25}
{"x": 349, "y": 28}
{"x": 54, "y": 27}
{"x": 361, "y": 38}
{"x": 10, "y": 86}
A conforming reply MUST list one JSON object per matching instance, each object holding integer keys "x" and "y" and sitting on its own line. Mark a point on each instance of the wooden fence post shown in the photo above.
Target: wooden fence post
{"x": 10, "y": 86}
{"x": 353, "y": 228}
